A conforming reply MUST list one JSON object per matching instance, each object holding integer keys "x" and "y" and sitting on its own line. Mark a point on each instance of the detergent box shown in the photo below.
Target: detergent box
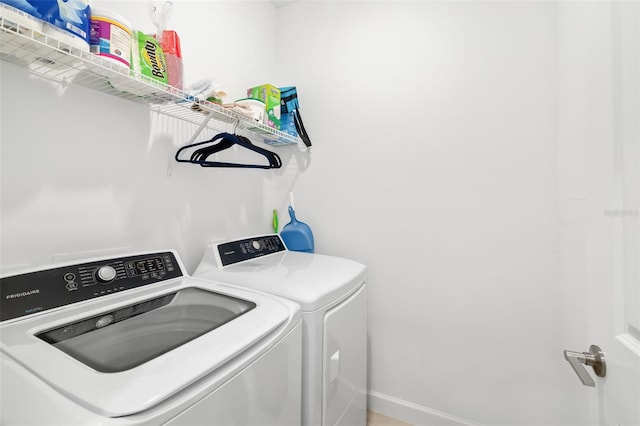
{"x": 69, "y": 16}
{"x": 270, "y": 95}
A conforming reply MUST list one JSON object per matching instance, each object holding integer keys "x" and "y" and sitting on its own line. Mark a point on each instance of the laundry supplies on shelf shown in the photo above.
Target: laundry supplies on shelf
{"x": 270, "y": 95}
{"x": 111, "y": 37}
{"x": 67, "y": 21}
{"x": 54, "y": 59}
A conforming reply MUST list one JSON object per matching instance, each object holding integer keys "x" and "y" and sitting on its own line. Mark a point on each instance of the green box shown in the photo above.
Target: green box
{"x": 270, "y": 95}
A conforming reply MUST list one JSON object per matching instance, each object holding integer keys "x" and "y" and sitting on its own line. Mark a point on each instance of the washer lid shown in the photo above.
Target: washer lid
{"x": 136, "y": 389}
{"x": 311, "y": 280}
{"x": 129, "y": 336}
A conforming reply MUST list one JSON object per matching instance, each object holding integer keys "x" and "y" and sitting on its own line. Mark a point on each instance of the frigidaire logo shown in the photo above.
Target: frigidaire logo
{"x": 23, "y": 293}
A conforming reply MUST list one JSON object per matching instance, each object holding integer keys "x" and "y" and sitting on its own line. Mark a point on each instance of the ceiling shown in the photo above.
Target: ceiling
{"x": 282, "y": 3}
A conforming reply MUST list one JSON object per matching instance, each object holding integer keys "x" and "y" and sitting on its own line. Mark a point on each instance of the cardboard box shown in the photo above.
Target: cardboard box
{"x": 67, "y": 16}
{"x": 270, "y": 95}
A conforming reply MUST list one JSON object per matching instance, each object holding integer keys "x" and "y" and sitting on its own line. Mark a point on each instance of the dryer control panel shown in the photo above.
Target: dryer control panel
{"x": 38, "y": 291}
{"x": 249, "y": 248}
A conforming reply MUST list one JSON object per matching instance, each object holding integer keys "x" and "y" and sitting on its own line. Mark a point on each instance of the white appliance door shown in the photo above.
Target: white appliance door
{"x": 344, "y": 354}
{"x": 604, "y": 133}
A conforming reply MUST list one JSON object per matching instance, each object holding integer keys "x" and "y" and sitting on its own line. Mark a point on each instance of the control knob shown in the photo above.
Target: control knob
{"x": 105, "y": 274}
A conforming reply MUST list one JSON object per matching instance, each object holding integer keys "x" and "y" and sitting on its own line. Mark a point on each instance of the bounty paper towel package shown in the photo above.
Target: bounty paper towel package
{"x": 147, "y": 64}
{"x": 147, "y": 58}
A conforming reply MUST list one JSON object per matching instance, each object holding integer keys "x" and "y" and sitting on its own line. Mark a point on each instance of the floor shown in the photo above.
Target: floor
{"x": 377, "y": 419}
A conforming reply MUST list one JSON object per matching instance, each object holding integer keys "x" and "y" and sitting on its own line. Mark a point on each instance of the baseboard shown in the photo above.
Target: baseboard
{"x": 412, "y": 413}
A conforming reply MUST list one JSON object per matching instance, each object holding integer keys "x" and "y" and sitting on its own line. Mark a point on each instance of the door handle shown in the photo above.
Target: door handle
{"x": 593, "y": 358}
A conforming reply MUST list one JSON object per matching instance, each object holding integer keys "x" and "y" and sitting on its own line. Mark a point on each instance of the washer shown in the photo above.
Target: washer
{"x": 134, "y": 341}
{"x": 333, "y": 296}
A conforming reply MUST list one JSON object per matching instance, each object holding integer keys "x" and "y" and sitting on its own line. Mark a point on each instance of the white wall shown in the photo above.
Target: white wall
{"x": 435, "y": 164}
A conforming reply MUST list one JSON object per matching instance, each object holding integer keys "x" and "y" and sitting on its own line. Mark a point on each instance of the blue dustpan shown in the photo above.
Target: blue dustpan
{"x": 297, "y": 235}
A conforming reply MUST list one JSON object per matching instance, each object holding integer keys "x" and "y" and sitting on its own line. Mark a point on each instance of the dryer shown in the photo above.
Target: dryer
{"x": 132, "y": 340}
{"x": 332, "y": 294}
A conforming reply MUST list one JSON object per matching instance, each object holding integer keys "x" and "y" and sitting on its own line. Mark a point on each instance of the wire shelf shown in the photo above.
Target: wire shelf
{"x": 51, "y": 59}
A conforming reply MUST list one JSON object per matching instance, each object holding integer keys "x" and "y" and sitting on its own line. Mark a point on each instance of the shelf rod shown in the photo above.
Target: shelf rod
{"x": 200, "y": 129}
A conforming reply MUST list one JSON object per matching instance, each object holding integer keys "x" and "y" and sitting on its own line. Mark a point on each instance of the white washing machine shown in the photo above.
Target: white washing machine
{"x": 333, "y": 296}
{"x": 133, "y": 341}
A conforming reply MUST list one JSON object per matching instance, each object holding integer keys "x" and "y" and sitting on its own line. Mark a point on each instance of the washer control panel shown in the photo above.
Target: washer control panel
{"x": 249, "y": 248}
{"x": 33, "y": 292}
